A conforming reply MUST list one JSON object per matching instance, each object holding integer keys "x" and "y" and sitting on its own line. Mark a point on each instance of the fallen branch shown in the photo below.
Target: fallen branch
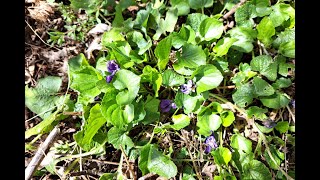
{"x": 233, "y": 10}
{"x": 38, "y": 157}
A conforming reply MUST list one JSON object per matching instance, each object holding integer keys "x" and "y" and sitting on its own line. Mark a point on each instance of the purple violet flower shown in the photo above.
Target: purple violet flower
{"x": 112, "y": 68}
{"x": 269, "y": 123}
{"x": 109, "y": 78}
{"x": 173, "y": 106}
{"x": 210, "y": 143}
{"x": 187, "y": 88}
{"x": 166, "y": 105}
{"x": 293, "y": 103}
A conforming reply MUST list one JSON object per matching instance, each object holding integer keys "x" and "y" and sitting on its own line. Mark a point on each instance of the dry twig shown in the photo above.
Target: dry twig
{"x": 233, "y": 10}
{"x": 38, "y": 157}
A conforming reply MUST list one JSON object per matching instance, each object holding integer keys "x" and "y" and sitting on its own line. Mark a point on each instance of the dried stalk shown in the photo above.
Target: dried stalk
{"x": 38, "y": 157}
{"x": 233, "y": 10}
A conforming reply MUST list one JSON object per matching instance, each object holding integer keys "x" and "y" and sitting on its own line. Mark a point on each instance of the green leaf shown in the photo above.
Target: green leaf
{"x": 192, "y": 56}
{"x": 111, "y": 36}
{"x": 266, "y": 66}
{"x": 162, "y": 52}
{"x": 182, "y": 6}
{"x": 282, "y": 126}
{"x": 77, "y": 63}
{"x": 90, "y": 128}
{"x": 180, "y": 121}
{"x": 197, "y": 4}
{"x": 207, "y": 123}
{"x": 244, "y": 14}
{"x": 116, "y": 116}
{"x": 228, "y": 4}
{"x": 181, "y": 69}
{"x": 221, "y": 155}
{"x": 207, "y": 77}
{"x": 222, "y": 64}
{"x": 42, "y": 99}
{"x": 243, "y": 96}
{"x": 128, "y": 113}
{"x": 138, "y": 59}
{"x": 276, "y": 101}
{"x": 257, "y": 112}
{"x": 120, "y": 50}
{"x": 42, "y": 126}
{"x": 283, "y": 37}
{"x": 171, "y": 78}
{"x": 211, "y": 28}
{"x": 142, "y": 18}
{"x": 280, "y": 13}
{"x": 195, "y": 19}
{"x": 264, "y": 129}
{"x": 277, "y": 156}
{"x": 160, "y": 164}
{"x": 152, "y": 76}
{"x": 118, "y": 137}
{"x": 185, "y": 35}
{"x": 256, "y": 170}
{"x": 128, "y": 83}
{"x": 216, "y": 107}
{"x": 223, "y": 45}
{"x": 261, "y": 87}
{"x": 151, "y": 107}
{"x": 282, "y": 83}
{"x": 235, "y": 56}
{"x": 288, "y": 49}
{"x": 284, "y": 67}
{"x": 266, "y": 30}
{"x": 241, "y": 143}
{"x": 143, "y": 159}
{"x": 136, "y": 39}
{"x": 84, "y": 81}
{"x": 187, "y": 102}
{"x": 188, "y": 173}
{"x": 107, "y": 101}
{"x": 262, "y": 7}
{"x": 103, "y": 86}
{"x": 89, "y": 6}
{"x": 245, "y": 38}
{"x": 107, "y": 176}
{"x": 240, "y": 158}
{"x": 122, "y": 5}
{"x": 151, "y": 160}
{"x": 227, "y": 118}
{"x": 243, "y": 75}
{"x": 168, "y": 24}
{"x": 139, "y": 111}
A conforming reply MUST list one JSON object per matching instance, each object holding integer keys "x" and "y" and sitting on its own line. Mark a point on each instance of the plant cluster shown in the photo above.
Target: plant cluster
{"x": 180, "y": 86}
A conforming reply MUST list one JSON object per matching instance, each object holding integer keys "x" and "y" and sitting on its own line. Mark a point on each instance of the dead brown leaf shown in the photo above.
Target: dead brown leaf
{"x": 41, "y": 11}
{"x": 133, "y": 8}
{"x": 55, "y": 55}
{"x": 208, "y": 170}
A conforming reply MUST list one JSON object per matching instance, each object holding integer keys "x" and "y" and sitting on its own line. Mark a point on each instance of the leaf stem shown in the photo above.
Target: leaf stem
{"x": 220, "y": 137}
{"x": 258, "y": 146}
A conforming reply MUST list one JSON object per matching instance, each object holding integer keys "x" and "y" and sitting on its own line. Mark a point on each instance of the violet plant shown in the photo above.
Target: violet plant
{"x": 235, "y": 75}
